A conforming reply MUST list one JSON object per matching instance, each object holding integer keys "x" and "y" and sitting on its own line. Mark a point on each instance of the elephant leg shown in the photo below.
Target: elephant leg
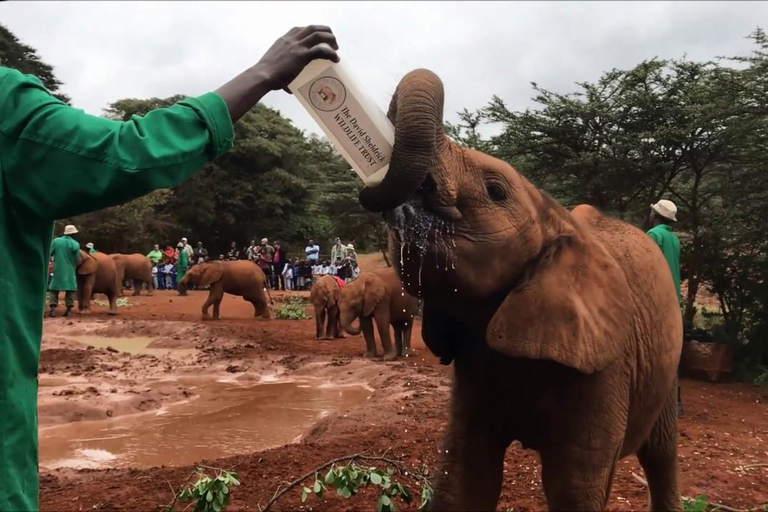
{"x": 136, "y": 287}
{"x": 407, "y": 338}
{"x": 658, "y": 456}
{"x": 576, "y": 478}
{"x": 382, "y": 323}
{"x": 207, "y": 304}
{"x": 150, "y": 285}
{"x": 319, "y": 312}
{"x": 366, "y": 325}
{"x": 334, "y": 319}
{"x": 398, "y": 339}
{"x": 472, "y": 467}
{"x": 261, "y": 309}
{"x": 112, "y": 297}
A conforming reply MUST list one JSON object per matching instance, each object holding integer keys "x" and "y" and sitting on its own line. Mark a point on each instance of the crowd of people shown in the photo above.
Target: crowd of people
{"x": 170, "y": 265}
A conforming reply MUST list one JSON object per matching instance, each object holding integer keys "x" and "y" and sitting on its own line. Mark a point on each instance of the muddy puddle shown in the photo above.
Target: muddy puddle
{"x": 134, "y": 346}
{"x": 227, "y": 419}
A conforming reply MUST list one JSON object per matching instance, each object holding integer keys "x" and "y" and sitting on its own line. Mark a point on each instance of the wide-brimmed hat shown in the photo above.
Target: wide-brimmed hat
{"x": 184, "y": 239}
{"x": 89, "y": 245}
{"x": 69, "y": 229}
{"x": 666, "y": 209}
{"x": 351, "y": 247}
{"x": 180, "y": 244}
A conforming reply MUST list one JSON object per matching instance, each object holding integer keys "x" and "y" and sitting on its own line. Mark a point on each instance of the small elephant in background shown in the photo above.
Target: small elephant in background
{"x": 243, "y": 278}
{"x": 379, "y": 296}
{"x": 135, "y": 267}
{"x": 325, "y": 297}
{"x": 96, "y": 273}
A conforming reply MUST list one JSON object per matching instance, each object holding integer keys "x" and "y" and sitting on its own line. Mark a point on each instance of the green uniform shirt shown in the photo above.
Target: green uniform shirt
{"x": 56, "y": 162}
{"x": 670, "y": 247}
{"x": 155, "y": 256}
{"x": 65, "y": 252}
{"x": 92, "y": 251}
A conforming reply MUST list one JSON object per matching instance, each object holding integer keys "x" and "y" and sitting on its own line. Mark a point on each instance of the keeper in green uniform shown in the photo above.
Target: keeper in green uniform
{"x": 65, "y": 252}
{"x": 663, "y": 214}
{"x": 58, "y": 162}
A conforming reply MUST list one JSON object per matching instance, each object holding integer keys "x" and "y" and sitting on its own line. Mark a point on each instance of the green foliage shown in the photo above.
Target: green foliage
{"x": 210, "y": 494}
{"x": 293, "y": 309}
{"x": 698, "y": 504}
{"x": 17, "y": 55}
{"x": 347, "y": 480}
{"x": 121, "y": 303}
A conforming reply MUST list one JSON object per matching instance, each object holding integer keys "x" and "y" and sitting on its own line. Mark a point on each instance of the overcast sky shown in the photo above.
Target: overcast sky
{"x": 104, "y": 51}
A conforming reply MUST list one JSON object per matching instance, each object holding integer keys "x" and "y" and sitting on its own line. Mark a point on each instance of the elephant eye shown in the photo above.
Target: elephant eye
{"x": 495, "y": 191}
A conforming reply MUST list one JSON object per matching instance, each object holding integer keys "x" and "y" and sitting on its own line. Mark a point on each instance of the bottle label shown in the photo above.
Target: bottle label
{"x": 346, "y": 119}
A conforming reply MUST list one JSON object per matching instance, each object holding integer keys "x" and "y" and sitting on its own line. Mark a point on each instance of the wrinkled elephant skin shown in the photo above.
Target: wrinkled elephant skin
{"x": 563, "y": 326}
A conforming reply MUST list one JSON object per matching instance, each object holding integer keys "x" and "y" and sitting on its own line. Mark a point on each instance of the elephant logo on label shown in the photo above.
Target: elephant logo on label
{"x": 327, "y": 94}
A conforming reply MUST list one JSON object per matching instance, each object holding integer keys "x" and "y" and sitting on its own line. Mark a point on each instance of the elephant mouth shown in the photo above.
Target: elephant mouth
{"x": 425, "y": 240}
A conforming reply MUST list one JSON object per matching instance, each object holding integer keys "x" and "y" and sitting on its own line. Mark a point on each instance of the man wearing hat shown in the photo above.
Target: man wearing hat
{"x": 663, "y": 214}
{"x": 65, "y": 252}
{"x": 91, "y": 248}
{"x": 338, "y": 250}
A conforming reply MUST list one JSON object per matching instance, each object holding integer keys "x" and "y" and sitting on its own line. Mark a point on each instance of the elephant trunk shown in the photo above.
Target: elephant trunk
{"x": 416, "y": 111}
{"x": 347, "y": 317}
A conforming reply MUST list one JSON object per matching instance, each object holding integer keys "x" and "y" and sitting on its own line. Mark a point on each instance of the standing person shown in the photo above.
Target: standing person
{"x": 91, "y": 248}
{"x": 338, "y": 250}
{"x": 351, "y": 260}
{"x": 155, "y": 256}
{"x": 287, "y": 274}
{"x": 234, "y": 252}
{"x": 181, "y": 267}
{"x": 252, "y": 251}
{"x": 189, "y": 250}
{"x": 198, "y": 257}
{"x": 312, "y": 250}
{"x": 105, "y": 162}
{"x": 265, "y": 255}
{"x": 663, "y": 215}
{"x": 278, "y": 263}
{"x": 170, "y": 254}
{"x": 65, "y": 252}
{"x": 295, "y": 273}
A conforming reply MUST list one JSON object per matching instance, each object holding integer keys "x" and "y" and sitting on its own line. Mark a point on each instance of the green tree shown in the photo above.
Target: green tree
{"x": 17, "y": 55}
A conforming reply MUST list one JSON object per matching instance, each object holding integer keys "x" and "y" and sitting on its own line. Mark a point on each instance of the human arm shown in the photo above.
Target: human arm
{"x": 278, "y": 67}
{"x": 59, "y": 161}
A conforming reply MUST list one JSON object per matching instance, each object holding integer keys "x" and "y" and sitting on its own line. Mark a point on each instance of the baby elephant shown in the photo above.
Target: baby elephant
{"x": 325, "y": 297}
{"x": 243, "y": 278}
{"x": 379, "y": 296}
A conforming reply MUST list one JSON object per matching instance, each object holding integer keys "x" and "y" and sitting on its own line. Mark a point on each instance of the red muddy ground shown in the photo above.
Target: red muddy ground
{"x": 723, "y": 433}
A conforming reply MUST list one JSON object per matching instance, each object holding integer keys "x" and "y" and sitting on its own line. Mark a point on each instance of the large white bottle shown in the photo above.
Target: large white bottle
{"x": 355, "y": 125}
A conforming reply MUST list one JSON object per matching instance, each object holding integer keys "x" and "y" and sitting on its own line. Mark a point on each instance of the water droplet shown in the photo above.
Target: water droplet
{"x": 456, "y": 290}
{"x": 404, "y": 311}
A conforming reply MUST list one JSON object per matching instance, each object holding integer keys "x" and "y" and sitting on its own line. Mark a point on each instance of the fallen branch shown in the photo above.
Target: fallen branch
{"x": 169, "y": 508}
{"x": 715, "y": 505}
{"x": 755, "y": 466}
{"x": 356, "y": 457}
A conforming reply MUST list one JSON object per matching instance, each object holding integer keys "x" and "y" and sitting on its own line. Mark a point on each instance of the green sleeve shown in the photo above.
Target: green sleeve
{"x": 59, "y": 162}
{"x": 655, "y": 237}
{"x": 53, "y": 248}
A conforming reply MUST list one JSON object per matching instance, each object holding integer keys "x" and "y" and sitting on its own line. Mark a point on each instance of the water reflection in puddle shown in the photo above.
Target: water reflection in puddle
{"x": 135, "y": 345}
{"x": 226, "y": 420}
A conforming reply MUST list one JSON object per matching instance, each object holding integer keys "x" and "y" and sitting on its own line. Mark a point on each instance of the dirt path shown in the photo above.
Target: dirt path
{"x": 725, "y": 428}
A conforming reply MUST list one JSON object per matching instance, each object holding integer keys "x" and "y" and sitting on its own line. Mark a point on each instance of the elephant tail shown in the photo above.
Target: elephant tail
{"x": 269, "y": 296}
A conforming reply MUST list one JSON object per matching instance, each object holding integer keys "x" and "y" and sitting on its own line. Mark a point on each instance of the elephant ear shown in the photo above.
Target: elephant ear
{"x": 210, "y": 274}
{"x": 574, "y": 309}
{"x": 88, "y": 264}
{"x": 374, "y": 292}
